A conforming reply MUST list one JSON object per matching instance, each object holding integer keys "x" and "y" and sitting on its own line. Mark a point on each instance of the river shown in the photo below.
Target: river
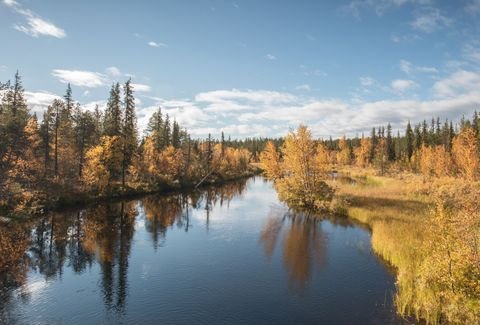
{"x": 230, "y": 255}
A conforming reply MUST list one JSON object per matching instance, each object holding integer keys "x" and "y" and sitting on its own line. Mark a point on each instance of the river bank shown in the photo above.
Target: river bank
{"x": 115, "y": 192}
{"x": 415, "y": 231}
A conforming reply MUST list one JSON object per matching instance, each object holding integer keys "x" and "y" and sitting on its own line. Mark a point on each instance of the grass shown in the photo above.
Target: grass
{"x": 397, "y": 212}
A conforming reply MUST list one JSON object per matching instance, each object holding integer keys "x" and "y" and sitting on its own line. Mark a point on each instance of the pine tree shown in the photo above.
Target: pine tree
{"x": 85, "y": 134}
{"x": 417, "y": 141}
{"x": 209, "y": 153}
{"x": 155, "y": 129}
{"x": 68, "y": 101}
{"x": 166, "y": 138}
{"x": 98, "y": 122}
{"x": 223, "y": 144}
{"x": 438, "y": 133}
{"x": 66, "y": 136}
{"x": 476, "y": 123}
{"x": 175, "y": 135}
{"x": 112, "y": 125}
{"x": 14, "y": 116}
{"x": 129, "y": 129}
{"x": 424, "y": 132}
{"x": 390, "y": 148}
{"x": 56, "y": 109}
{"x": 409, "y": 141}
{"x": 46, "y": 130}
{"x": 373, "y": 144}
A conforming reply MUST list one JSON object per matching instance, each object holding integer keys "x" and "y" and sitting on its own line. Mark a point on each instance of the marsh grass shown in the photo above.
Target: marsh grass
{"x": 398, "y": 211}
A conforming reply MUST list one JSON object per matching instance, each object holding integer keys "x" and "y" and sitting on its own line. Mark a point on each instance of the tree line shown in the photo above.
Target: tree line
{"x": 74, "y": 151}
{"x": 301, "y": 165}
{"x": 436, "y": 149}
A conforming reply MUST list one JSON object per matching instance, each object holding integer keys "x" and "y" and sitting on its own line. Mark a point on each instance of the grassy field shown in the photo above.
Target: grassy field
{"x": 399, "y": 209}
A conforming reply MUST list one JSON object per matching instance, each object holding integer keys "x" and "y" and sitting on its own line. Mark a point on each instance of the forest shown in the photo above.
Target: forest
{"x": 73, "y": 155}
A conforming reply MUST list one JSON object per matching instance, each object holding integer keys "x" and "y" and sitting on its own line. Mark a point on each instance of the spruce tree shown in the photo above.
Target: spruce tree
{"x": 166, "y": 139}
{"x": 389, "y": 144}
{"x": 223, "y": 144}
{"x": 175, "y": 135}
{"x": 417, "y": 141}
{"x": 476, "y": 123}
{"x": 129, "y": 129}
{"x": 409, "y": 141}
{"x": 373, "y": 145}
{"x": 68, "y": 101}
{"x": 56, "y": 109}
{"x": 46, "y": 130}
{"x": 112, "y": 125}
{"x": 155, "y": 128}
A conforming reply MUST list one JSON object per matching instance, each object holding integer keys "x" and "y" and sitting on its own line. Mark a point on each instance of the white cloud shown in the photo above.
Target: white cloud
{"x": 305, "y": 87}
{"x": 10, "y": 3}
{"x": 141, "y": 87}
{"x": 80, "y": 78}
{"x": 410, "y": 69}
{"x": 39, "y": 101}
{"x": 402, "y": 85}
{"x": 113, "y": 71}
{"x": 155, "y": 44}
{"x": 227, "y": 101}
{"x": 430, "y": 20}
{"x": 90, "y": 106}
{"x": 36, "y": 26}
{"x": 456, "y": 84}
{"x": 270, "y": 57}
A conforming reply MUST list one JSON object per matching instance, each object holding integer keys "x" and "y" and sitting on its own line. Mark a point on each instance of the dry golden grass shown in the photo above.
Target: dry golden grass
{"x": 397, "y": 209}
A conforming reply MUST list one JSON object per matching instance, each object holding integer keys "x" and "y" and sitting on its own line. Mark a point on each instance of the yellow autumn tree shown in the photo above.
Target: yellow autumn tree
{"x": 452, "y": 259}
{"x": 102, "y": 162}
{"x": 427, "y": 160}
{"x": 270, "y": 161}
{"x": 442, "y": 161}
{"x": 302, "y": 183}
{"x": 362, "y": 153}
{"x": 170, "y": 162}
{"x": 344, "y": 155}
{"x": 322, "y": 158}
{"x": 465, "y": 153}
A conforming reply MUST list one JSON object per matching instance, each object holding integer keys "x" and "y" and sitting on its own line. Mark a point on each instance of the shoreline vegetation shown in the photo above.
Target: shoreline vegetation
{"x": 74, "y": 155}
{"x": 127, "y": 192}
{"x": 418, "y": 193}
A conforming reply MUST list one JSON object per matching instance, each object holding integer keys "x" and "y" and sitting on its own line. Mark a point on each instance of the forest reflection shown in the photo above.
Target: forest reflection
{"x": 99, "y": 235}
{"x": 303, "y": 242}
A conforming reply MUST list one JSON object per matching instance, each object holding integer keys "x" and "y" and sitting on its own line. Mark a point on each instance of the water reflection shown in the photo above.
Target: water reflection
{"x": 105, "y": 257}
{"x": 99, "y": 235}
{"x": 304, "y": 243}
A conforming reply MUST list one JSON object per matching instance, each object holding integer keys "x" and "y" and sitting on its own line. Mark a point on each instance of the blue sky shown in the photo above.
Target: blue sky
{"x": 253, "y": 68}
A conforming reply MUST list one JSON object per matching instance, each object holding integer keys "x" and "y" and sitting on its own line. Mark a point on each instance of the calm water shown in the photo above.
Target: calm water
{"x": 228, "y": 255}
